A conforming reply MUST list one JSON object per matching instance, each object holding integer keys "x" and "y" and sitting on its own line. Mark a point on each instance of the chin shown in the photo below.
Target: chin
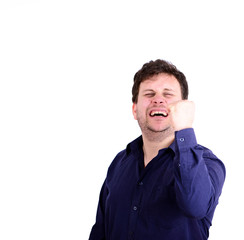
{"x": 158, "y": 129}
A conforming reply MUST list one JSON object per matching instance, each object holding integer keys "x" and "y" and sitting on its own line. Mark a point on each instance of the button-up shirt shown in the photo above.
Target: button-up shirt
{"x": 173, "y": 198}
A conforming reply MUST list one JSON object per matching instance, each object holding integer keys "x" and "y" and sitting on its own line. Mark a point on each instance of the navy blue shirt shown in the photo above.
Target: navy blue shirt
{"x": 172, "y": 198}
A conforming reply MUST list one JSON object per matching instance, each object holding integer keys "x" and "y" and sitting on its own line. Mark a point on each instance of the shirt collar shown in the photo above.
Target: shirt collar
{"x": 136, "y": 146}
{"x": 173, "y": 146}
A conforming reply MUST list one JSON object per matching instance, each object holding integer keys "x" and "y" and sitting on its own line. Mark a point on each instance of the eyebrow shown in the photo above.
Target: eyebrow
{"x": 148, "y": 90}
{"x": 151, "y": 90}
{"x": 169, "y": 89}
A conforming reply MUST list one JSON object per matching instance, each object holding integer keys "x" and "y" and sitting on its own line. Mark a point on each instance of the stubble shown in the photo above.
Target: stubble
{"x": 152, "y": 134}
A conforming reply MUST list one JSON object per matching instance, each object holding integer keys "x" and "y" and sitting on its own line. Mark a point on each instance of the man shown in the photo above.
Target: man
{"x": 164, "y": 185}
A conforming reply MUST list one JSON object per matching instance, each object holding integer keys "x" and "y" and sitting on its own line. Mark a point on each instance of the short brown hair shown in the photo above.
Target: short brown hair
{"x": 156, "y": 67}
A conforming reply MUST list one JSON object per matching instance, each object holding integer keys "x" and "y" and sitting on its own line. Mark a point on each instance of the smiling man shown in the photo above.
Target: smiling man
{"x": 164, "y": 185}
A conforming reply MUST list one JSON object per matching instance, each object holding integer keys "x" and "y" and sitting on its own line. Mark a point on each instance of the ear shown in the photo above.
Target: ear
{"x": 134, "y": 110}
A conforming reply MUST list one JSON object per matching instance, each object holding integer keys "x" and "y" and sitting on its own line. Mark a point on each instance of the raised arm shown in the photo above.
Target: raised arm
{"x": 199, "y": 175}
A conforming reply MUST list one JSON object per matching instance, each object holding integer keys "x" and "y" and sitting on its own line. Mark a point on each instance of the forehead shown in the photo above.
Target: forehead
{"x": 161, "y": 81}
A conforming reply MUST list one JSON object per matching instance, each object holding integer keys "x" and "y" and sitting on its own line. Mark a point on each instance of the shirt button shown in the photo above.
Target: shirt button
{"x": 182, "y": 139}
{"x": 140, "y": 183}
{"x": 135, "y": 208}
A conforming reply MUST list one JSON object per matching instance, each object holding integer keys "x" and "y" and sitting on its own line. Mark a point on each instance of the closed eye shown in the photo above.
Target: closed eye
{"x": 149, "y": 94}
{"x": 168, "y": 94}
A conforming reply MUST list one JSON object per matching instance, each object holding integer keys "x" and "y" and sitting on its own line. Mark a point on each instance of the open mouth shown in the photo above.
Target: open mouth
{"x": 158, "y": 114}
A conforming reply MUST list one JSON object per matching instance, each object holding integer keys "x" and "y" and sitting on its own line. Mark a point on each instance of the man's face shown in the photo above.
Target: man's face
{"x": 155, "y": 94}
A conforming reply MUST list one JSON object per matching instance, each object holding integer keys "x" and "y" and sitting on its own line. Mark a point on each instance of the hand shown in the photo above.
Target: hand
{"x": 181, "y": 114}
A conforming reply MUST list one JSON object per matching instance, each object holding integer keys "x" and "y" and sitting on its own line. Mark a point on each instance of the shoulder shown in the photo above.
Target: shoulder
{"x": 212, "y": 162}
{"x": 118, "y": 158}
{"x": 117, "y": 161}
{"x": 126, "y": 157}
{"x": 132, "y": 149}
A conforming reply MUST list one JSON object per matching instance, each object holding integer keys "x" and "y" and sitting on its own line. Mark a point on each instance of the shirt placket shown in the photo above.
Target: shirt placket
{"x": 136, "y": 206}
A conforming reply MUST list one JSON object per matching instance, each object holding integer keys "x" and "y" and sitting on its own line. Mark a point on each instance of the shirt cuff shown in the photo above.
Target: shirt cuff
{"x": 185, "y": 138}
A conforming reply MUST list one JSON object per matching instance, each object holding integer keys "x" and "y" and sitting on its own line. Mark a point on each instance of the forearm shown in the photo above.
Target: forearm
{"x": 197, "y": 184}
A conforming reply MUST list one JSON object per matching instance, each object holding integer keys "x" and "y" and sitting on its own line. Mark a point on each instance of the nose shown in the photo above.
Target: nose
{"x": 158, "y": 100}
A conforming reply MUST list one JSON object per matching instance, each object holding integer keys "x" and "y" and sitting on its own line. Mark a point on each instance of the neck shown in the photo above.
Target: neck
{"x": 152, "y": 146}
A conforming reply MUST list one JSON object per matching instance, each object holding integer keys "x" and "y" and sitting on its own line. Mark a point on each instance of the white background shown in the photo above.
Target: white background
{"x": 66, "y": 72}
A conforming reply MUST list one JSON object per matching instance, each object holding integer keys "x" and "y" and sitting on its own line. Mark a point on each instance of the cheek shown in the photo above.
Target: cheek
{"x": 173, "y": 100}
{"x": 140, "y": 108}
{"x": 137, "y": 111}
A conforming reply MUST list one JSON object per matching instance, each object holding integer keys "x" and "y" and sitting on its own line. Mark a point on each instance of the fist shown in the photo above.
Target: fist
{"x": 181, "y": 114}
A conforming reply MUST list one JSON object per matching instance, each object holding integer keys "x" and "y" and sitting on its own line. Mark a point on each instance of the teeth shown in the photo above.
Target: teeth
{"x": 159, "y": 113}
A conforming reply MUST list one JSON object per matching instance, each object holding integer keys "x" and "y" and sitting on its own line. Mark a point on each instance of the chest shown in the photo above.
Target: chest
{"x": 146, "y": 187}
